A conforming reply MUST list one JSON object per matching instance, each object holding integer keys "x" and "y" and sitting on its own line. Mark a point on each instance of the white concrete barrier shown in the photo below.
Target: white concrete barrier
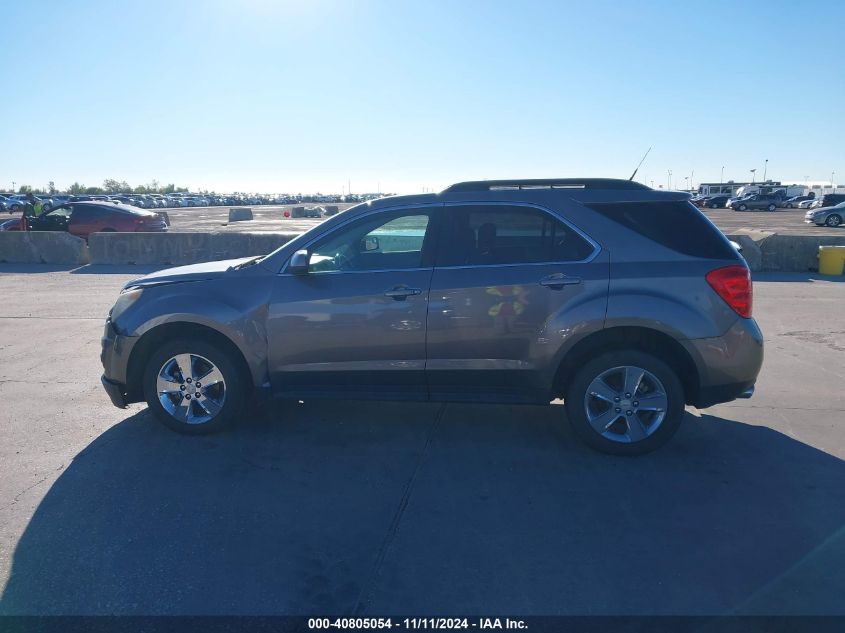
{"x": 240, "y": 214}
{"x": 42, "y": 247}
{"x": 180, "y": 248}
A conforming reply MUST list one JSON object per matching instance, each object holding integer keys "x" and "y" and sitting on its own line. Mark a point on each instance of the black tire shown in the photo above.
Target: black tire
{"x": 742, "y": 207}
{"x": 235, "y": 386}
{"x": 771, "y": 207}
{"x": 790, "y": 206}
{"x": 576, "y": 408}
{"x": 833, "y": 221}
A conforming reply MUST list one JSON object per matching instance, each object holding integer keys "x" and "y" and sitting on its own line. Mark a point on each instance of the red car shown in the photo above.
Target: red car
{"x": 83, "y": 218}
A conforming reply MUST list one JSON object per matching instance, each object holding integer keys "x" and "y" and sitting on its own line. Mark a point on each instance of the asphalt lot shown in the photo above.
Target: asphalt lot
{"x": 417, "y": 509}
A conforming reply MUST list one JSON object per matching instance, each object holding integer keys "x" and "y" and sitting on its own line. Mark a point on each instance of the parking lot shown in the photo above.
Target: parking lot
{"x": 369, "y": 508}
{"x": 271, "y": 218}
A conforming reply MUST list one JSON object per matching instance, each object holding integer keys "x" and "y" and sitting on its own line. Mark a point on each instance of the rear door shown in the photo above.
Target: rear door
{"x": 354, "y": 324}
{"x": 508, "y": 279}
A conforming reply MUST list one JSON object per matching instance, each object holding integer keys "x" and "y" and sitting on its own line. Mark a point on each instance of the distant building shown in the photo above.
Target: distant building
{"x": 793, "y": 187}
{"x": 730, "y": 188}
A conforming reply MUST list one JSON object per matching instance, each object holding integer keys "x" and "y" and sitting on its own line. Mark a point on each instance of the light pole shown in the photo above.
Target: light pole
{"x": 722, "y": 177}
{"x": 669, "y": 179}
{"x": 765, "y": 169}
{"x": 686, "y": 179}
{"x": 832, "y": 174}
{"x": 753, "y": 173}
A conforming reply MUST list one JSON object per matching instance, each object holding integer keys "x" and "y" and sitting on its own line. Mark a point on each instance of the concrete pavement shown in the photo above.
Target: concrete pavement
{"x": 412, "y": 508}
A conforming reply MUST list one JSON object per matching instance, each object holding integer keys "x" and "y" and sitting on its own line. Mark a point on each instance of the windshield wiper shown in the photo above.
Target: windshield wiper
{"x": 248, "y": 262}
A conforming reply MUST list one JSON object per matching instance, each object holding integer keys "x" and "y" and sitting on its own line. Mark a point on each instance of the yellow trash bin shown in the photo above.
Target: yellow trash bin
{"x": 831, "y": 260}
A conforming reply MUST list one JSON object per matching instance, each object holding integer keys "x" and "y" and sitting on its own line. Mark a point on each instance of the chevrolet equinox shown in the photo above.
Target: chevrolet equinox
{"x": 623, "y": 301}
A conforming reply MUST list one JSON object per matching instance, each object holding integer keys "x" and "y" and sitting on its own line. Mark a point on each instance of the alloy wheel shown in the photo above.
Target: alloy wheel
{"x": 191, "y": 388}
{"x": 625, "y": 404}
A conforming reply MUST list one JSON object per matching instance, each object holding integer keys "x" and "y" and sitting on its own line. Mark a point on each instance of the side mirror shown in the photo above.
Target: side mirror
{"x": 299, "y": 262}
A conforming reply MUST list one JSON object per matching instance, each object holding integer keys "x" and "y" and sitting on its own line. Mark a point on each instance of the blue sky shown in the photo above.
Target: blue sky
{"x": 278, "y": 96}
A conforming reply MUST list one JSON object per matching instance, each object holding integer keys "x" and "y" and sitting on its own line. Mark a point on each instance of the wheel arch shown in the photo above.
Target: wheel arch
{"x": 157, "y": 335}
{"x": 648, "y": 340}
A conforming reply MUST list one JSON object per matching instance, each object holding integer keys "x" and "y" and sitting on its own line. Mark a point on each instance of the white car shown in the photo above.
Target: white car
{"x": 806, "y": 204}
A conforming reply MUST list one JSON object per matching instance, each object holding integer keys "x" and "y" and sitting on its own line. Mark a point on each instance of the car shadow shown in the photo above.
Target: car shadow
{"x": 341, "y": 508}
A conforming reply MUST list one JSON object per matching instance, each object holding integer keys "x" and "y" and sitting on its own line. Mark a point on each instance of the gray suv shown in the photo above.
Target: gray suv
{"x": 625, "y": 302}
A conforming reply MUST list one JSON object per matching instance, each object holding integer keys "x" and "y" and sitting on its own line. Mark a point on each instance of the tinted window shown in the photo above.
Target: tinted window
{"x": 88, "y": 213}
{"x": 388, "y": 241}
{"x": 489, "y": 235}
{"x": 676, "y": 225}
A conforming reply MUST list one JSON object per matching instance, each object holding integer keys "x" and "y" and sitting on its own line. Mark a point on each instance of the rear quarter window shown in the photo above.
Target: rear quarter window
{"x": 676, "y": 225}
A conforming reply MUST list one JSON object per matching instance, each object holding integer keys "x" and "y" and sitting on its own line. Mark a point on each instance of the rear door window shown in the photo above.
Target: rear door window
{"x": 479, "y": 235}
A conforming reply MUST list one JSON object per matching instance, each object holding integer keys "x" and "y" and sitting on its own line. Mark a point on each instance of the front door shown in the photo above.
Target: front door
{"x": 508, "y": 283}
{"x": 354, "y": 324}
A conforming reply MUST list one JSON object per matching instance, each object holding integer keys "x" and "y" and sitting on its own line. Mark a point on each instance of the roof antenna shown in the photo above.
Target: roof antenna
{"x": 638, "y": 165}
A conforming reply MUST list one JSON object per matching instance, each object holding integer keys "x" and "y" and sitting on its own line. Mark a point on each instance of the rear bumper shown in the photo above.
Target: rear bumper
{"x": 727, "y": 365}
{"x": 708, "y": 396}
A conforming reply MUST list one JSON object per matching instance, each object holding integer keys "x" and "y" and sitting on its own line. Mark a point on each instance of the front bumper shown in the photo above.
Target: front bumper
{"x": 114, "y": 355}
{"x": 115, "y": 391}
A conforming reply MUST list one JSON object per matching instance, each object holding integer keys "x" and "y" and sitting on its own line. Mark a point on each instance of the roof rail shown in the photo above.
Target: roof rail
{"x": 543, "y": 183}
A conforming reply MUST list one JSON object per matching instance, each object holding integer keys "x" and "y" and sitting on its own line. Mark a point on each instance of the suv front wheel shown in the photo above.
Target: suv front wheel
{"x": 625, "y": 403}
{"x": 193, "y": 386}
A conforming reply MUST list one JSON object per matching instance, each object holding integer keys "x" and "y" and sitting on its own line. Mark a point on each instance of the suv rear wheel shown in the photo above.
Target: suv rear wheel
{"x": 772, "y": 206}
{"x": 193, "y": 386}
{"x": 625, "y": 402}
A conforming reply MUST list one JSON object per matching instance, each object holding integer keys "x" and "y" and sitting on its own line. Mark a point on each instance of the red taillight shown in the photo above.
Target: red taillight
{"x": 733, "y": 284}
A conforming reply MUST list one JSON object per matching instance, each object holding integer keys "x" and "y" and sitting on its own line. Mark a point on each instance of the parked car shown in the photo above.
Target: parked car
{"x": 831, "y": 199}
{"x": 716, "y": 202}
{"x": 11, "y": 225}
{"x": 493, "y": 291}
{"x": 16, "y": 202}
{"x": 766, "y": 201}
{"x": 125, "y": 199}
{"x": 806, "y": 204}
{"x": 83, "y": 218}
{"x": 792, "y": 203}
{"x": 826, "y": 216}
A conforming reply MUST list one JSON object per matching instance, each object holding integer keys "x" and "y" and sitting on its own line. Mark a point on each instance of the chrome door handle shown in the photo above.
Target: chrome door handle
{"x": 559, "y": 280}
{"x": 399, "y": 293}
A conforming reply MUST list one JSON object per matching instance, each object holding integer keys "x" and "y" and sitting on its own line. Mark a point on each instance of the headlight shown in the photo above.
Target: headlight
{"x": 124, "y": 301}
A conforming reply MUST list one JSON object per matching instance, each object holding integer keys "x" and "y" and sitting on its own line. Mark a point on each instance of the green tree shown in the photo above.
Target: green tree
{"x": 24, "y": 189}
{"x": 51, "y": 188}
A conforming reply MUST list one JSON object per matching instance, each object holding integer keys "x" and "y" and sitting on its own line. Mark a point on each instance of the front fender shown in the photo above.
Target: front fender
{"x": 238, "y": 312}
